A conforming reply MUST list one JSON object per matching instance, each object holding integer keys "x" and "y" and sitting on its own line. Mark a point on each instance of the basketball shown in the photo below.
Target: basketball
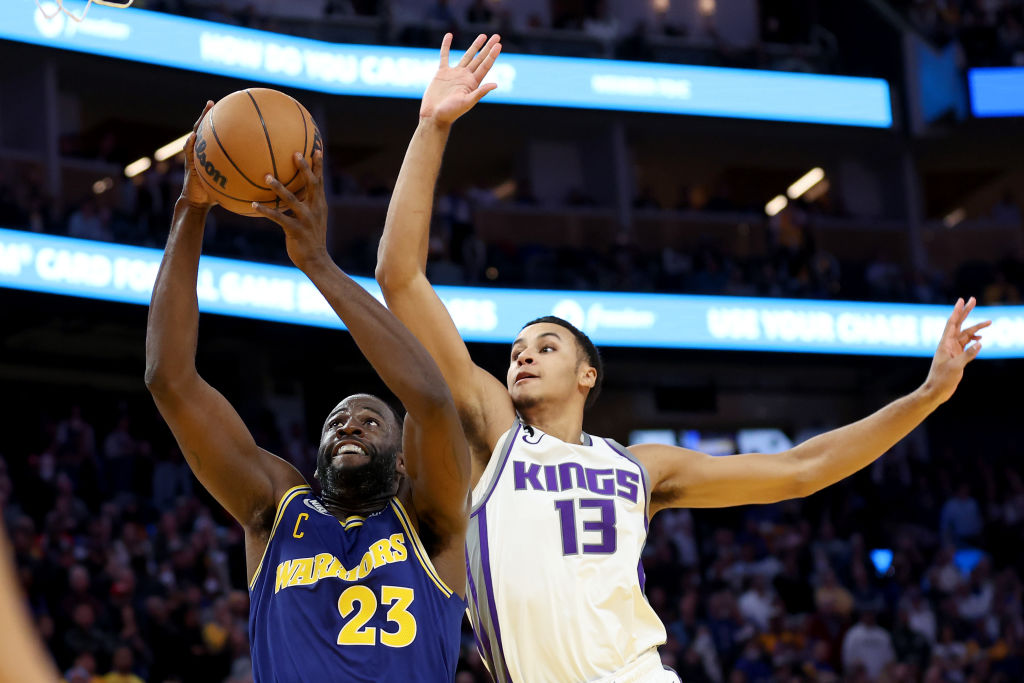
{"x": 247, "y": 135}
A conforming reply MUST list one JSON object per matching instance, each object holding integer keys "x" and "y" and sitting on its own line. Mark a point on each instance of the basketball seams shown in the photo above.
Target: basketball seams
{"x": 266, "y": 133}
{"x": 232, "y": 161}
{"x": 305, "y": 141}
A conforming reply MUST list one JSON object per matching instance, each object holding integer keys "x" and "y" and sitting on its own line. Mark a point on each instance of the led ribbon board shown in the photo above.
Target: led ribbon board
{"x": 100, "y": 270}
{"x": 378, "y": 71}
{"x": 996, "y": 91}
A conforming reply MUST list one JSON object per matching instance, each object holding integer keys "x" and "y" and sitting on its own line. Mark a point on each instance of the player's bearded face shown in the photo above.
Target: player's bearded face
{"x": 358, "y": 450}
{"x": 373, "y": 478}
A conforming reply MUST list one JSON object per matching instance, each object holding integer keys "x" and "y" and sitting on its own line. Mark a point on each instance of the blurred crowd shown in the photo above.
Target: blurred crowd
{"x": 990, "y": 32}
{"x": 790, "y": 262}
{"x": 909, "y": 571}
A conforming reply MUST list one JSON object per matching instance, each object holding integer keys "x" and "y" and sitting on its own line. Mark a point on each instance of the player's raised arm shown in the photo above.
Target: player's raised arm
{"x": 243, "y": 478}
{"x": 434, "y": 448}
{"x": 685, "y": 478}
{"x": 483, "y": 402}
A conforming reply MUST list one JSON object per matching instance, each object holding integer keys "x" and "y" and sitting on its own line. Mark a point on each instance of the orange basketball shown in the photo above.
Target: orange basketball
{"x": 247, "y": 135}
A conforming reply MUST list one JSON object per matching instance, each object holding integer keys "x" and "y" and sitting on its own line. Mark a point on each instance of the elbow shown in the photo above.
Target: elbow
{"x": 804, "y": 480}
{"x": 162, "y": 381}
{"x": 157, "y": 379}
{"x": 389, "y": 275}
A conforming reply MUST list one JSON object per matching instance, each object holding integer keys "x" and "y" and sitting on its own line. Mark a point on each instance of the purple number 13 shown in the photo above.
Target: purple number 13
{"x": 605, "y": 525}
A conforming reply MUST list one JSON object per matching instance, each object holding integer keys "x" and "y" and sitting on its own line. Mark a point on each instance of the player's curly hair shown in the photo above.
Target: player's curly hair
{"x": 587, "y": 351}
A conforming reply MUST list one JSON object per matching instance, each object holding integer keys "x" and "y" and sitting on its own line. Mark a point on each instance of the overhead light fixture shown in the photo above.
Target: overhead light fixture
{"x": 776, "y": 205}
{"x": 171, "y": 148}
{"x": 138, "y": 166}
{"x": 101, "y": 186}
{"x": 806, "y": 182}
{"x": 954, "y": 217}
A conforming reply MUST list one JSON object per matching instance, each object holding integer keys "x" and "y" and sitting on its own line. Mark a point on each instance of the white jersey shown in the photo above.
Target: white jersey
{"x": 556, "y": 588}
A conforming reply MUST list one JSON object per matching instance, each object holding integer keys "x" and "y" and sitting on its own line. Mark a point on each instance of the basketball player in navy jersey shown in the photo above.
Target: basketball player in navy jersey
{"x": 366, "y": 582}
{"x": 559, "y": 516}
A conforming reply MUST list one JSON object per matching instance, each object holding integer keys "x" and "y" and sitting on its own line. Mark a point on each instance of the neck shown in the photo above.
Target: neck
{"x": 558, "y": 421}
{"x": 343, "y": 505}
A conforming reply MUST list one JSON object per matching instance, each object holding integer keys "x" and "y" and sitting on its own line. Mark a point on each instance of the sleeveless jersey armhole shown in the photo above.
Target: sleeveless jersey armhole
{"x": 289, "y": 495}
{"x": 417, "y": 547}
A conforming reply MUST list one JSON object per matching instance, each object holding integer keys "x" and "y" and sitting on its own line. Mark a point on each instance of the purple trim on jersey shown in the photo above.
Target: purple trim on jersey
{"x": 485, "y": 562}
{"x": 643, "y": 478}
{"x": 483, "y": 643}
{"x": 494, "y": 482}
{"x": 640, "y": 575}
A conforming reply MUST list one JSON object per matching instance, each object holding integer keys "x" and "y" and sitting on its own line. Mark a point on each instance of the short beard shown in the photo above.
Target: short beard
{"x": 368, "y": 481}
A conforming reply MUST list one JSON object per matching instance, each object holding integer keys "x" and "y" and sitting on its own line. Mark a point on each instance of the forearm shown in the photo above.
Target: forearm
{"x": 403, "y": 247}
{"x": 22, "y": 658}
{"x": 835, "y": 455}
{"x": 172, "y": 329}
{"x": 399, "y": 359}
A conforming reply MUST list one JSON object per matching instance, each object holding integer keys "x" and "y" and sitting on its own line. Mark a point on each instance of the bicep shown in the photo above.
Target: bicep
{"x": 685, "y": 478}
{"x": 243, "y": 477}
{"x": 482, "y": 401}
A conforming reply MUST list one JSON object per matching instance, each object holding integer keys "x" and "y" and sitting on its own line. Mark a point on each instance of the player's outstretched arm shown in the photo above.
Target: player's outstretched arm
{"x": 22, "y": 657}
{"x": 685, "y": 478}
{"x": 482, "y": 401}
{"x": 244, "y": 478}
{"x": 435, "y": 451}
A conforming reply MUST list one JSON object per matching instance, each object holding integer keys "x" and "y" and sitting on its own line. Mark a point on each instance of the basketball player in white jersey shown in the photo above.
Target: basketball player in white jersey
{"x": 559, "y": 517}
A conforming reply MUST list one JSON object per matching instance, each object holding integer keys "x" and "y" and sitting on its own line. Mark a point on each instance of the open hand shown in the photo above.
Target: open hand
{"x": 193, "y": 191}
{"x": 954, "y": 353}
{"x": 456, "y": 89}
{"x": 305, "y": 231}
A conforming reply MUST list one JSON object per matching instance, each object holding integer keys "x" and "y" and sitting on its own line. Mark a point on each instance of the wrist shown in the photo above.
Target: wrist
{"x": 315, "y": 262}
{"x": 928, "y": 395}
{"x": 187, "y": 204}
{"x": 431, "y": 124}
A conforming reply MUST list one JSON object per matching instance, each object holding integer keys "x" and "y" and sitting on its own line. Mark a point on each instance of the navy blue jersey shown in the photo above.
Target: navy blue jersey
{"x": 354, "y": 600}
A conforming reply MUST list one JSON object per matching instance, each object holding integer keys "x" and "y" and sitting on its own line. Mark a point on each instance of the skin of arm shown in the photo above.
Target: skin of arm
{"x": 22, "y": 657}
{"x": 247, "y": 480}
{"x": 482, "y": 401}
{"x": 686, "y": 478}
{"x": 434, "y": 448}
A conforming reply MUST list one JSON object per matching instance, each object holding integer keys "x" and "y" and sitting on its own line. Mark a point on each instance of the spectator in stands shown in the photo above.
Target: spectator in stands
{"x": 867, "y": 645}
{"x": 479, "y": 13}
{"x": 961, "y": 521}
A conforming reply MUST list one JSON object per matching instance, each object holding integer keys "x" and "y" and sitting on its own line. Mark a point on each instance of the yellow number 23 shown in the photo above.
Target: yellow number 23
{"x": 356, "y": 632}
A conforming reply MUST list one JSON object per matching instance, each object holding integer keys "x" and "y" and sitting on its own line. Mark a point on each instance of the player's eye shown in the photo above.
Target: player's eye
{"x": 547, "y": 348}
{"x": 371, "y": 421}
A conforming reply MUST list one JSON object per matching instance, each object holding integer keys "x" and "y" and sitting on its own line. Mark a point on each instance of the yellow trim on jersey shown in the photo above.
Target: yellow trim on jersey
{"x": 351, "y": 522}
{"x": 418, "y": 549}
{"x": 287, "y": 498}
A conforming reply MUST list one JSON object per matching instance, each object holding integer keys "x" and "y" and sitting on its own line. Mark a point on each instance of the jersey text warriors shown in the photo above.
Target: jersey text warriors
{"x": 555, "y": 581}
{"x": 354, "y": 600}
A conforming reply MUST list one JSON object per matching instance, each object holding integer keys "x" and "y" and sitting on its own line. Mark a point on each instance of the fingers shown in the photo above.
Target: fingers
{"x": 446, "y": 46}
{"x": 208, "y": 107}
{"x": 970, "y": 353}
{"x": 313, "y": 175}
{"x": 485, "y": 66}
{"x": 483, "y": 55}
{"x": 286, "y": 196}
{"x": 973, "y": 329}
{"x": 479, "y": 93}
{"x": 471, "y": 53}
{"x": 279, "y": 217}
{"x": 971, "y": 303}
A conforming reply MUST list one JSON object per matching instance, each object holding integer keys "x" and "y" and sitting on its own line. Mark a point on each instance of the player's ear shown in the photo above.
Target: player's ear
{"x": 400, "y": 463}
{"x": 588, "y": 375}
{"x": 316, "y": 474}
